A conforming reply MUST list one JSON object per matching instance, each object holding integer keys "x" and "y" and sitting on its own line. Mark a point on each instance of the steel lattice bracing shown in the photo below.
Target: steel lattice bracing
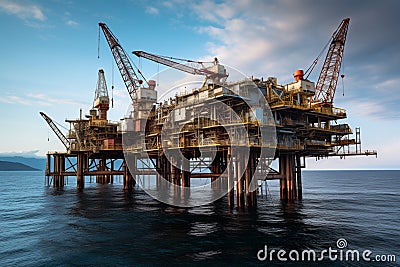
{"x": 214, "y": 73}
{"x": 55, "y": 129}
{"x": 167, "y": 62}
{"x": 101, "y": 100}
{"x": 131, "y": 80}
{"x": 327, "y": 81}
{"x": 101, "y": 89}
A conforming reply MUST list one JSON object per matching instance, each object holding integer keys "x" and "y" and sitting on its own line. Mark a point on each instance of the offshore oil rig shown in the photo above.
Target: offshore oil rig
{"x": 228, "y": 142}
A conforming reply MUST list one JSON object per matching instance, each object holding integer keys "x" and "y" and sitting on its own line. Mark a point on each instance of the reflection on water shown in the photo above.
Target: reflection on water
{"x": 203, "y": 229}
{"x": 103, "y": 225}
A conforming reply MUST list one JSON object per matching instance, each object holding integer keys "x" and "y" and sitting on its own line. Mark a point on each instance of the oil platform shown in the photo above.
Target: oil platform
{"x": 172, "y": 142}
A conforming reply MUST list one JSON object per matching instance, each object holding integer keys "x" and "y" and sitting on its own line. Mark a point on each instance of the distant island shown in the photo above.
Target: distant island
{"x": 33, "y": 162}
{"x": 15, "y": 166}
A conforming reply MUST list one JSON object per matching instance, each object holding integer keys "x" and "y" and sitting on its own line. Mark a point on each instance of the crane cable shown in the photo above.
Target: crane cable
{"x": 342, "y": 84}
{"x": 112, "y": 85}
{"x": 314, "y": 63}
{"x": 62, "y": 126}
{"x": 182, "y": 59}
{"x": 129, "y": 59}
{"x": 342, "y": 76}
{"x": 158, "y": 74}
{"x": 98, "y": 44}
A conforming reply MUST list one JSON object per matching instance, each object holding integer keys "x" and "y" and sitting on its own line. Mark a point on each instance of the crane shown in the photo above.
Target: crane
{"x": 217, "y": 73}
{"x": 55, "y": 129}
{"x": 131, "y": 80}
{"x": 101, "y": 99}
{"x": 327, "y": 80}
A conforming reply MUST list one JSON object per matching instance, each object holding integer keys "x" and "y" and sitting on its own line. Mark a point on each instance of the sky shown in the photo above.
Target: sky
{"x": 50, "y": 55}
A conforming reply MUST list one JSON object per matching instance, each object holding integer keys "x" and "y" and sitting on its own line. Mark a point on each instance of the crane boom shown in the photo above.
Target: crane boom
{"x": 55, "y": 129}
{"x": 131, "y": 80}
{"x": 327, "y": 81}
{"x": 214, "y": 74}
{"x": 173, "y": 64}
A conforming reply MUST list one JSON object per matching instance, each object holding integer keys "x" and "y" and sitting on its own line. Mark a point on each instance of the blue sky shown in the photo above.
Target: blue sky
{"x": 49, "y": 58}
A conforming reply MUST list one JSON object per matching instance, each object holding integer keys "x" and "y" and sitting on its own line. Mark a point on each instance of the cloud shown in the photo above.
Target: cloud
{"x": 207, "y": 11}
{"x": 68, "y": 20}
{"x": 12, "y": 99}
{"x": 275, "y": 38}
{"x": 71, "y": 23}
{"x": 26, "y": 12}
{"x": 370, "y": 109}
{"x": 168, "y": 4}
{"x": 152, "y": 10}
{"x": 38, "y": 100}
{"x": 371, "y": 95}
{"x": 250, "y": 35}
{"x": 377, "y": 109}
{"x": 50, "y": 101}
{"x": 30, "y": 154}
{"x": 120, "y": 93}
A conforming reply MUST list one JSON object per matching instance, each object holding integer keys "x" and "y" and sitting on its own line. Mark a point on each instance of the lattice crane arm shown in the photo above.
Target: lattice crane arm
{"x": 327, "y": 81}
{"x": 176, "y": 65}
{"x": 56, "y": 130}
{"x": 131, "y": 80}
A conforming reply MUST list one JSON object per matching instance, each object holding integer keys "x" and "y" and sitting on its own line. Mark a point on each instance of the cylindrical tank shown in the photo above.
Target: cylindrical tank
{"x": 298, "y": 75}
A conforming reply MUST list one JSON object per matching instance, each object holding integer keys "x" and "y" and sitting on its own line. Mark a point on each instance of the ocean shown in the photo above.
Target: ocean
{"x": 105, "y": 226}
